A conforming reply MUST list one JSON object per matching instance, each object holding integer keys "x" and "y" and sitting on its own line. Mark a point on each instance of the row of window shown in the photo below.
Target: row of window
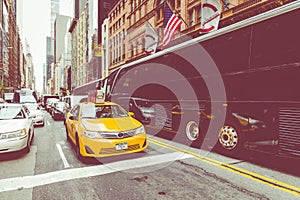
{"x": 117, "y": 25}
{"x": 195, "y": 16}
{"x": 137, "y": 14}
{"x": 117, "y": 11}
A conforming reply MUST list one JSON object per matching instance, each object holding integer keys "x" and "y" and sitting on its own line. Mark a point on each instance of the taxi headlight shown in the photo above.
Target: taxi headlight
{"x": 92, "y": 134}
{"x": 14, "y": 134}
{"x": 140, "y": 130}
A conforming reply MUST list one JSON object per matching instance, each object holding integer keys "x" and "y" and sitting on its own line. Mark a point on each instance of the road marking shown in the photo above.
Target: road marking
{"x": 251, "y": 175}
{"x": 48, "y": 123}
{"x": 16, "y": 183}
{"x": 62, "y": 155}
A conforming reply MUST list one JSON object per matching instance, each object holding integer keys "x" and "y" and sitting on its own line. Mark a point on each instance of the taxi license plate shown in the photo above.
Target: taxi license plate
{"x": 122, "y": 146}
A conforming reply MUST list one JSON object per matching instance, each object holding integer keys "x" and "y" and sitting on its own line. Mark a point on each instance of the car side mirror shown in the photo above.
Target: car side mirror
{"x": 131, "y": 114}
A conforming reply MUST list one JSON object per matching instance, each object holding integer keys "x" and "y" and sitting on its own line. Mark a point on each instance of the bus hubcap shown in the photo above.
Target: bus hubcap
{"x": 228, "y": 137}
{"x": 192, "y": 130}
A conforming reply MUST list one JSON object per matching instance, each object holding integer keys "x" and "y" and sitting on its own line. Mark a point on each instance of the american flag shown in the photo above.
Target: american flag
{"x": 172, "y": 23}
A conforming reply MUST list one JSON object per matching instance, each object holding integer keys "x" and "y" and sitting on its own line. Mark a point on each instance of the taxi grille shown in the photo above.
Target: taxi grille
{"x": 113, "y": 150}
{"x": 123, "y": 134}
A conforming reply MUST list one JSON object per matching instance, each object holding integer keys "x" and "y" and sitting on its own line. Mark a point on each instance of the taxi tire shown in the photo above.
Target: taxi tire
{"x": 67, "y": 134}
{"x": 77, "y": 150}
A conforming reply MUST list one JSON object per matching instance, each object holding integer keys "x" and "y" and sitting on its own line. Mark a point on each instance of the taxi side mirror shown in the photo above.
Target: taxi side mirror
{"x": 131, "y": 114}
{"x": 72, "y": 117}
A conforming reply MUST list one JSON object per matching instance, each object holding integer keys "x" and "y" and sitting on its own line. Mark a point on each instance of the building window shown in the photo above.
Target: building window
{"x": 145, "y": 7}
{"x": 191, "y": 17}
{"x": 178, "y": 3}
{"x": 199, "y": 14}
{"x": 227, "y": 3}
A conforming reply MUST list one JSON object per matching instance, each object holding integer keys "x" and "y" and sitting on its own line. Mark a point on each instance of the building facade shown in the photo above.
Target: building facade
{"x": 105, "y": 48}
{"x": 116, "y": 34}
{"x": 78, "y": 30}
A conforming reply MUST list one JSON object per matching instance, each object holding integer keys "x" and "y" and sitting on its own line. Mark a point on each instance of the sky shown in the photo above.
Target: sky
{"x": 35, "y": 28}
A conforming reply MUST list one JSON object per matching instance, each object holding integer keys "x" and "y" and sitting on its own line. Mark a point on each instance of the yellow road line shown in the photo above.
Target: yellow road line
{"x": 254, "y": 176}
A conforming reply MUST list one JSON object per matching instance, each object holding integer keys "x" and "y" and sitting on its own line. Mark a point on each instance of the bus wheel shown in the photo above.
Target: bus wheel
{"x": 230, "y": 140}
{"x": 192, "y": 130}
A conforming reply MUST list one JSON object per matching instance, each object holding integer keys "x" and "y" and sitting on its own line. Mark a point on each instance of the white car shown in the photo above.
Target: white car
{"x": 16, "y": 128}
{"x": 37, "y": 114}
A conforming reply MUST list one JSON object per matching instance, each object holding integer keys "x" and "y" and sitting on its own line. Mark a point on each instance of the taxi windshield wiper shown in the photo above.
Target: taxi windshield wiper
{"x": 87, "y": 117}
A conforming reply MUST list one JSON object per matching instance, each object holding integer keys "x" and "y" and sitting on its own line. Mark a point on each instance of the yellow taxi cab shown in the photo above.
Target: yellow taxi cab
{"x": 104, "y": 129}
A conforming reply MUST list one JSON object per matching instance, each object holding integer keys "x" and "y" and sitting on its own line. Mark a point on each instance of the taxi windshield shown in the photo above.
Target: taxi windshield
{"x": 94, "y": 111}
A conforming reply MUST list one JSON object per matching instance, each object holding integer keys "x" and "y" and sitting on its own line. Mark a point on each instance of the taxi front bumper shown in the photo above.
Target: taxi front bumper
{"x": 112, "y": 147}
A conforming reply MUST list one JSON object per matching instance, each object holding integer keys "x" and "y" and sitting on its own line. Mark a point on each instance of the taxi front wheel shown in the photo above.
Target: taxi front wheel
{"x": 67, "y": 134}
{"x": 78, "y": 154}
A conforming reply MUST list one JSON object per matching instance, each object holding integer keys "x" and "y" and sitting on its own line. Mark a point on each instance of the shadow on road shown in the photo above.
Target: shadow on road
{"x": 12, "y": 156}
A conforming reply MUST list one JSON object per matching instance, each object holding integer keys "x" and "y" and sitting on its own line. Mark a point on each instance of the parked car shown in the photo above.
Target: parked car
{"x": 16, "y": 128}
{"x": 58, "y": 110}
{"x": 37, "y": 114}
{"x": 104, "y": 129}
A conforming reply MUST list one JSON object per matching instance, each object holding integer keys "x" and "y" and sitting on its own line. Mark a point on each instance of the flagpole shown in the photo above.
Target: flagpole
{"x": 183, "y": 21}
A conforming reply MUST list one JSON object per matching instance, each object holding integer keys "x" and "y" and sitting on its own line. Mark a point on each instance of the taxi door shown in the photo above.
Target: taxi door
{"x": 72, "y": 122}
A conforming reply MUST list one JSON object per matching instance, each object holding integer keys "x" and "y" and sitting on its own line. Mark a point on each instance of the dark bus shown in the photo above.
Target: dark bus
{"x": 233, "y": 88}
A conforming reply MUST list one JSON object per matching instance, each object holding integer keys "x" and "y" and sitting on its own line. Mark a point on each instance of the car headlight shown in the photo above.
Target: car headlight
{"x": 92, "y": 134}
{"x": 140, "y": 130}
{"x": 14, "y": 134}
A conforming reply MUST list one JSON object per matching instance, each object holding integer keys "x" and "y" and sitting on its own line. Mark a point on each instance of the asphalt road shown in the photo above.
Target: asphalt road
{"x": 166, "y": 170}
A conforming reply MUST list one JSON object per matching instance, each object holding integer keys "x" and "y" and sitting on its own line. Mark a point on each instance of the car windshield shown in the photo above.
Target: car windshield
{"x": 102, "y": 111}
{"x": 27, "y": 99}
{"x": 60, "y": 105}
{"x": 32, "y": 107}
{"x": 11, "y": 112}
{"x": 52, "y": 100}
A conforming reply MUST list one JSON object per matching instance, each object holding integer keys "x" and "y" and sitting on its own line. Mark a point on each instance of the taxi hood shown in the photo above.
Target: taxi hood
{"x": 110, "y": 124}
